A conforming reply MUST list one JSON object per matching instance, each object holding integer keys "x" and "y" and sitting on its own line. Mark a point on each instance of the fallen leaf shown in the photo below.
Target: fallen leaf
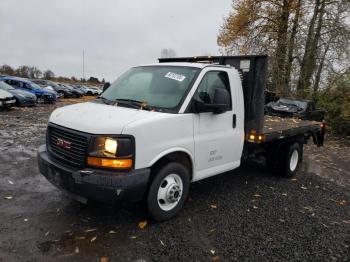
{"x": 76, "y": 251}
{"x": 255, "y": 207}
{"x": 294, "y": 179}
{"x": 346, "y": 221}
{"x": 8, "y": 197}
{"x": 303, "y": 187}
{"x": 104, "y": 259}
{"x": 90, "y": 230}
{"x": 284, "y": 194}
{"x": 133, "y": 237}
{"x": 10, "y": 182}
{"x": 162, "y": 243}
{"x": 213, "y": 206}
{"x": 47, "y": 233}
{"x": 80, "y": 238}
{"x": 112, "y": 232}
{"x": 257, "y": 195}
{"x": 340, "y": 202}
{"x": 308, "y": 208}
{"x": 212, "y": 251}
{"x": 25, "y": 220}
{"x": 93, "y": 239}
{"x": 142, "y": 224}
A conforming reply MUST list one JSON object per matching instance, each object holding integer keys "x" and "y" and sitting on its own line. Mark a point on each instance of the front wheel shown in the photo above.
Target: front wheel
{"x": 168, "y": 191}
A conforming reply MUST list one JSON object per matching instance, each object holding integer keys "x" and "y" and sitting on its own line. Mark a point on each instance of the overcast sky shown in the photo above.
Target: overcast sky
{"x": 115, "y": 34}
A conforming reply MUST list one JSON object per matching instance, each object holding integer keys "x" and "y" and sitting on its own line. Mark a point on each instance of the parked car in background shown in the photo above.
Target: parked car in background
{"x": 6, "y": 99}
{"x": 61, "y": 91}
{"x": 88, "y": 90}
{"x": 81, "y": 88}
{"x": 75, "y": 93}
{"x": 43, "y": 96}
{"x": 97, "y": 90}
{"x": 289, "y": 107}
{"x": 23, "y": 98}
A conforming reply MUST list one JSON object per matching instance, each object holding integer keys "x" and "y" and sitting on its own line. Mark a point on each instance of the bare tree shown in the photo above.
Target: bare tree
{"x": 7, "y": 70}
{"x": 48, "y": 74}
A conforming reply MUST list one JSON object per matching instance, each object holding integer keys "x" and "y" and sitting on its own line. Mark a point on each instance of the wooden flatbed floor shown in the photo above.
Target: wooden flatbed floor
{"x": 275, "y": 126}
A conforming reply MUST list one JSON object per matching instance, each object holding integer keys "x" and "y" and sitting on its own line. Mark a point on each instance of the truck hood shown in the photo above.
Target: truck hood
{"x": 95, "y": 118}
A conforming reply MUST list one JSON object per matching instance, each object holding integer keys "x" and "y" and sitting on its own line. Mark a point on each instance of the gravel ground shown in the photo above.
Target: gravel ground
{"x": 244, "y": 215}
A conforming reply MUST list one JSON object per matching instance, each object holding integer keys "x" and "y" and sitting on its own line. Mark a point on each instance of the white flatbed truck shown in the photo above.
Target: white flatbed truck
{"x": 159, "y": 127}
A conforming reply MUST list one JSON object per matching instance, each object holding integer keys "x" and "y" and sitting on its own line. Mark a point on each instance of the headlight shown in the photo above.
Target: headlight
{"x": 111, "y": 145}
{"x": 111, "y": 152}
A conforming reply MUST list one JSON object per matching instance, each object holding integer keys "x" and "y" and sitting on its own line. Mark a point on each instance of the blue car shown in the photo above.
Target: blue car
{"x": 43, "y": 95}
{"x": 23, "y": 98}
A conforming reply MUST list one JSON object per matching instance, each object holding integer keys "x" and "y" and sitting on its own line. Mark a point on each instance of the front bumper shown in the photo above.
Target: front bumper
{"x": 8, "y": 103}
{"x": 95, "y": 184}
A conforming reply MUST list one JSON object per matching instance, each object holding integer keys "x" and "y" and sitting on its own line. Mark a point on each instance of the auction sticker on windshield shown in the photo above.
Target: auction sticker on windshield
{"x": 175, "y": 76}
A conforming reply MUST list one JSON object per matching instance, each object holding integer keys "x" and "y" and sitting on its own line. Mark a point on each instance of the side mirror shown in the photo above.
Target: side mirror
{"x": 220, "y": 103}
{"x": 106, "y": 85}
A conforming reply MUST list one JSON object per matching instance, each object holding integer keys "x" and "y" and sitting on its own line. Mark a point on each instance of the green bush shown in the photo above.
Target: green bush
{"x": 335, "y": 100}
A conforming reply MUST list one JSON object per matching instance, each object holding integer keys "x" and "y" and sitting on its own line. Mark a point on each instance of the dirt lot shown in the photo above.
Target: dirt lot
{"x": 245, "y": 215}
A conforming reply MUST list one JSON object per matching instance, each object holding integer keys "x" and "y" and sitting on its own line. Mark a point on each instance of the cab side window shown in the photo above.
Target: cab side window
{"x": 26, "y": 86}
{"x": 13, "y": 83}
{"x": 211, "y": 81}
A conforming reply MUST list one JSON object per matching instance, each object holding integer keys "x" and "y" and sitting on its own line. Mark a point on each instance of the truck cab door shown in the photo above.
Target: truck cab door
{"x": 218, "y": 144}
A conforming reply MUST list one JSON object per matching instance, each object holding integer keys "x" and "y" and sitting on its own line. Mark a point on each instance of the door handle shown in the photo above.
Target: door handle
{"x": 234, "y": 120}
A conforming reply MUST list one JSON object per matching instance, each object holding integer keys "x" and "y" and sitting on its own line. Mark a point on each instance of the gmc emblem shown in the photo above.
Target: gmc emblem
{"x": 63, "y": 143}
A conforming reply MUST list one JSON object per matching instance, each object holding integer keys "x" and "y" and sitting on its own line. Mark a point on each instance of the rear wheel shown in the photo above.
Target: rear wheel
{"x": 291, "y": 159}
{"x": 168, "y": 191}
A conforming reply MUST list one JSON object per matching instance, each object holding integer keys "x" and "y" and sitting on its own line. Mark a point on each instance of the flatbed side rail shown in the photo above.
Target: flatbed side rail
{"x": 316, "y": 131}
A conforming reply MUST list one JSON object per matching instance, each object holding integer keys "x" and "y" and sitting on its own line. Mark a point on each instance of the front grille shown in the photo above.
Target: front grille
{"x": 74, "y": 154}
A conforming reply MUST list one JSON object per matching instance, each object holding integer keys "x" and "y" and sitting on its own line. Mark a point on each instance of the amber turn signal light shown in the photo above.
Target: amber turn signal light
{"x": 109, "y": 163}
{"x": 256, "y": 138}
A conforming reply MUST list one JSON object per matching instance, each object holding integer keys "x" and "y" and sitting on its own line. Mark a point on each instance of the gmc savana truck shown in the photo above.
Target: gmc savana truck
{"x": 159, "y": 127}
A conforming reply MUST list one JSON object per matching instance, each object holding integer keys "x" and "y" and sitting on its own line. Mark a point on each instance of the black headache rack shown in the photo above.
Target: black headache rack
{"x": 253, "y": 69}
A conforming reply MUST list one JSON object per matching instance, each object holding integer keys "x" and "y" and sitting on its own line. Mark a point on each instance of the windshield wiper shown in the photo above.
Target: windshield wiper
{"x": 105, "y": 100}
{"x": 134, "y": 103}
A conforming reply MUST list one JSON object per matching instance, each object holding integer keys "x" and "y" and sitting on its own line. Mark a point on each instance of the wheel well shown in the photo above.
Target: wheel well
{"x": 180, "y": 157}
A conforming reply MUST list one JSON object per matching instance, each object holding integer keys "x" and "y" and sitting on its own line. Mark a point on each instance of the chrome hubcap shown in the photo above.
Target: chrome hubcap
{"x": 170, "y": 192}
{"x": 294, "y": 160}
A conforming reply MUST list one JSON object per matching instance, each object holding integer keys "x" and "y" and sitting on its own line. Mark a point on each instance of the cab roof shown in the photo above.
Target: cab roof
{"x": 186, "y": 64}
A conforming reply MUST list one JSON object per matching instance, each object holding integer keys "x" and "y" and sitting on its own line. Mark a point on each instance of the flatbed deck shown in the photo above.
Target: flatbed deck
{"x": 277, "y": 127}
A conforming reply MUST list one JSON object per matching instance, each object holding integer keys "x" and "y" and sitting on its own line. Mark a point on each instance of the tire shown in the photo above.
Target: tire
{"x": 291, "y": 159}
{"x": 168, "y": 191}
{"x": 89, "y": 93}
{"x": 18, "y": 104}
{"x": 62, "y": 95}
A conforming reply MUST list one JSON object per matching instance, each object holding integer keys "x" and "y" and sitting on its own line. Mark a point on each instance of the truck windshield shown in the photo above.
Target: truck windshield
{"x": 157, "y": 86}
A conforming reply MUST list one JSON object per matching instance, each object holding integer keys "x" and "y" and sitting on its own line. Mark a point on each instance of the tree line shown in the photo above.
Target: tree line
{"x": 33, "y": 72}
{"x": 308, "y": 43}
